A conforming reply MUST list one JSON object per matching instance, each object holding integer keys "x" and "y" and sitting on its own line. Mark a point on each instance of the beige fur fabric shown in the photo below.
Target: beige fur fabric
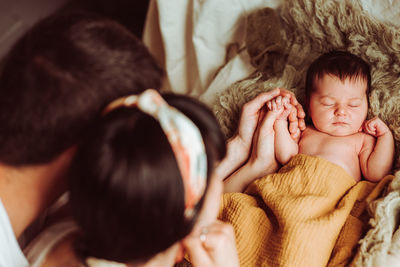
{"x": 381, "y": 244}
{"x": 310, "y": 28}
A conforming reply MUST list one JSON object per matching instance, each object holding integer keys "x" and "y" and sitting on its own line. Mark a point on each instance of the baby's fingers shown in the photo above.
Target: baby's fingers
{"x": 269, "y": 105}
{"x": 378, "y": 126}
{"x": 370, "y": 127}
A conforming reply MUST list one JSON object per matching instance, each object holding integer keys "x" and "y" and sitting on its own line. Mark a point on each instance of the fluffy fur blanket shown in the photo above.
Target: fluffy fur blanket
{"x": 381, "y": 245}
{"x": 304, "y": 30}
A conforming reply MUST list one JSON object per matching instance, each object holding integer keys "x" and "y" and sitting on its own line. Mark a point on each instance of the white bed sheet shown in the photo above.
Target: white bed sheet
{"x": 190, "y": 40}
{"x": 200, "y": 43}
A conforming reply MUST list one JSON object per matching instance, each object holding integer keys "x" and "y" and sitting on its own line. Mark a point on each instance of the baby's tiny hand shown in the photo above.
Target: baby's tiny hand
{"x": 281, "y": 104}
{"x": 375, "y": 127}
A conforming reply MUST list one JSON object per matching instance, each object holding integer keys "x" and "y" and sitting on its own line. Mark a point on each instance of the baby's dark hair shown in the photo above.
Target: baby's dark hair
{"x": 59, "y": 76}
{"x": 126, "y": 189}
{"x": 341, "y": 64}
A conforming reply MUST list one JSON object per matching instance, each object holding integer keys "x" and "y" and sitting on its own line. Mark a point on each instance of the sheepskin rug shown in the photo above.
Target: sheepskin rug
{"x": 305, "y": 30}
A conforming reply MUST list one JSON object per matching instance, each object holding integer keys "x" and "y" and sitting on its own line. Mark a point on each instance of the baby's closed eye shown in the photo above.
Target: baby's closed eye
{"x": 354, "y": 104}
{"x": 327, "y": 103}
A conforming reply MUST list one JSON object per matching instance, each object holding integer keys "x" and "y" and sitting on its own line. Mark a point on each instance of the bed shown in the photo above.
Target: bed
{"x": 225, "y": 52}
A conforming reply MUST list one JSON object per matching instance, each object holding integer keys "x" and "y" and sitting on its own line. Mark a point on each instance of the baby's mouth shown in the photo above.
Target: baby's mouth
{"x": 340, "y": 123}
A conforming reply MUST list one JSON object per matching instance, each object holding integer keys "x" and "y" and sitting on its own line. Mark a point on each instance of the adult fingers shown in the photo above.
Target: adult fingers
{"x": 286, "y": 93}
{"x": 197, "y": 253}
{"x": 262, "y": 155}
{"x": 213, "y": 245}
{"x": 254, "y": 105}
{"x": 218, "y": 235}
{"x": 263, "y": 143}
{"x": 300, "y": 114}
{"x": 296, "y": 134}
{"x": 267, "y": 124}
{"x": 293, "y": 120}
{"x": 250, "y": 115}
{"x": 302, "y": 124}
{"x": 300, "y": 111}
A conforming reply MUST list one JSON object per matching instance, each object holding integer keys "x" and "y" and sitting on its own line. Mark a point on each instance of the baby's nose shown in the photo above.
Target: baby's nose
{"x": 340, "y": 111}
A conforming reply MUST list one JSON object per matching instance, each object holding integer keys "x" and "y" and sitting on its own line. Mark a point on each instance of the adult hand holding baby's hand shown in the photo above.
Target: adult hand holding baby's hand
{"x": 262, "y": 159}
{"x": 251, "y": 151}
{"x": 280, "y": 103}
{"x": 240, "y": 145}
{"x": 292, "y": 112}
{"x": 375, "y": 127}
{"x": 250, "y": 117}
{"x": 296, "y": 115}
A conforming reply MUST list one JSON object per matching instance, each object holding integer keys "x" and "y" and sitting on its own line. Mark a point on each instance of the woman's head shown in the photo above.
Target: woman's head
{"x": 127, "y": 191}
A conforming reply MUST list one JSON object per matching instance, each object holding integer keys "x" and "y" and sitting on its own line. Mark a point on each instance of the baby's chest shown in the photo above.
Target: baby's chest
{"x": 315, "y": 143}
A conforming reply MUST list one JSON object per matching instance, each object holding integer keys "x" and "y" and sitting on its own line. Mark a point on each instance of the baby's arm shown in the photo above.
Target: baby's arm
{"x": 285, "y": 146}
{"x": 376, "y": 157}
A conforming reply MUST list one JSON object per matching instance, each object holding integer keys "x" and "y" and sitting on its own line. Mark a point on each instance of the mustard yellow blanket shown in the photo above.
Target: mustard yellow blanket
{"x": 294, "y": 217}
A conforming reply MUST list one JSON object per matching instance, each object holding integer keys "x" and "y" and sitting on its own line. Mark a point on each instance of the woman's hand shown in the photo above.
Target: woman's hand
{"x": 212, "y": 246}
{"x": 262, "y": 158}
{"x": 239, "y": 146}
{"x": 250, "y": 117}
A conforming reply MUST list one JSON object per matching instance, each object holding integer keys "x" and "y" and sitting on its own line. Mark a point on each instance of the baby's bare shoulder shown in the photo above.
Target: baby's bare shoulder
{"x": 309, "y": 130}
{"x": 365, "y": 140}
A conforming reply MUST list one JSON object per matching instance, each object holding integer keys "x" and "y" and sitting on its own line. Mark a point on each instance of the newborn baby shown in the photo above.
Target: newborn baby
{"x": 337, "y": 90}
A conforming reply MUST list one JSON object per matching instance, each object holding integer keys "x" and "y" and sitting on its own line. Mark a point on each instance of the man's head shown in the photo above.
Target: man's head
{"x": 337, "y": 88}
{"x": 58, "y": 78}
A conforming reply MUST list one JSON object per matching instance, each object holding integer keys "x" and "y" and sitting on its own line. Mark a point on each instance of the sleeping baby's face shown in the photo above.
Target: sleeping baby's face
{"x": 337, "y": 107}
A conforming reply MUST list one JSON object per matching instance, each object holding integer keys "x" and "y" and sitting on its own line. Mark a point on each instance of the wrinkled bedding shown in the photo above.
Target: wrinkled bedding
{"x": 202, "y": 45}
{"x": 293, "y": 217}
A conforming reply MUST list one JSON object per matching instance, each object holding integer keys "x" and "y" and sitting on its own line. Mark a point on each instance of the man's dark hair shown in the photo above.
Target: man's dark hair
{"x": 340, "y": 64}
{"x": 126, "y": 190}
{"x": 59, "y": 76}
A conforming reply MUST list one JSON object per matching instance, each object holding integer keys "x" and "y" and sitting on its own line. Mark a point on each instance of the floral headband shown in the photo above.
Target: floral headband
{"x": 184, "y": 137}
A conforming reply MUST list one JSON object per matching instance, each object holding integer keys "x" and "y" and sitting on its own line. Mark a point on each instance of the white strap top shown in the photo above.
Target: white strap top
{"x": 10, "y": 252}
